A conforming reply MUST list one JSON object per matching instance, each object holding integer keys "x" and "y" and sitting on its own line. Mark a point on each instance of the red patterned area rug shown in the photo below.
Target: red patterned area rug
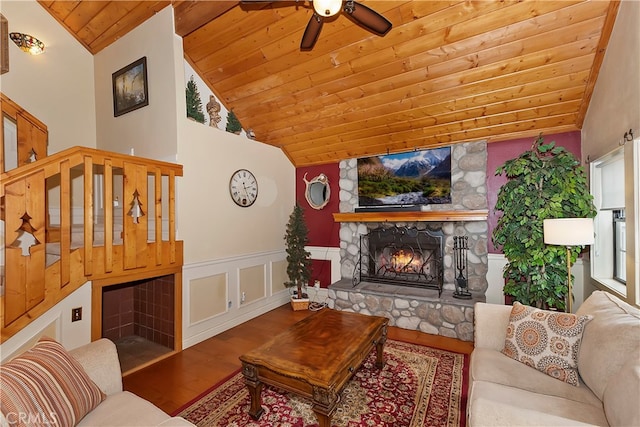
{"x": 418, "y": 386}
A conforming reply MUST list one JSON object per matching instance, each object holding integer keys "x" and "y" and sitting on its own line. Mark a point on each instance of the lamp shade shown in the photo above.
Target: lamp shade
{"x": 568, "y": 231}
{"x": 327, "y": 7}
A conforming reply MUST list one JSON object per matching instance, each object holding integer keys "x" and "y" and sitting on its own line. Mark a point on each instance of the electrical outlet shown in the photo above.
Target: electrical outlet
{"x": 243, "y": 298}
{"x": 76, "y": 314}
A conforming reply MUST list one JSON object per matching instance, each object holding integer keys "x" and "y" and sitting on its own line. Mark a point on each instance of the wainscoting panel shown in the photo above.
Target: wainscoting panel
{"x": 252, "y": 284}
{"x": 496, "y": 281}
{"x": 208, "y": 296}
{"x": 278, "y": 276}
{"x": 213, "y": 305}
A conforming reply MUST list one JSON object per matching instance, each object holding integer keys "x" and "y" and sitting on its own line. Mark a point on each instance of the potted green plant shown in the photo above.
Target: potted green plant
{"x": 544, "y": 182}
{"x": 298, "y": 258}
{"x": 233, "y": 124}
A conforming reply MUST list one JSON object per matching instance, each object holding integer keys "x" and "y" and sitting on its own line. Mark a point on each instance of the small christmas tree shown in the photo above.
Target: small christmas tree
{"x": 194, "y": 104}
{"x": 298, "y": 259}
{"x": 233, "y": 124}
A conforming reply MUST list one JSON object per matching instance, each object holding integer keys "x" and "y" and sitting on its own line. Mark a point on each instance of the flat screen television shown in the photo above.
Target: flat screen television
{"x": 408, "y": 179}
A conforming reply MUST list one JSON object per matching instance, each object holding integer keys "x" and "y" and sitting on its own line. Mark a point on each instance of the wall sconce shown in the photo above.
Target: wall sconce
{"x": 27, "y": 43}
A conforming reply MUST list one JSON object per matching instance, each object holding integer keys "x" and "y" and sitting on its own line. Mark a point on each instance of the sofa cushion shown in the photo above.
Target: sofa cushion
{"x": 492, "y": 366}
{"x": 125, "y": 409}
{"x": 548, "y": 341}
{"x": 621, "y": 396}
{"x": 492, "y": 404}
{"x": 610, "y": 339}
{"x": 45, "y": 386}
{"x": 100, "y": 361}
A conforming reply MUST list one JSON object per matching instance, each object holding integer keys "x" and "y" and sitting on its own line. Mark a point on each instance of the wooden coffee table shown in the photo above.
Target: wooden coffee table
{"x": 315, "y": 358}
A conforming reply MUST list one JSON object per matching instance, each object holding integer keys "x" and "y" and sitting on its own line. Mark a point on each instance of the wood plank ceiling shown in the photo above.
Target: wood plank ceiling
{"x": 447, "y": 72}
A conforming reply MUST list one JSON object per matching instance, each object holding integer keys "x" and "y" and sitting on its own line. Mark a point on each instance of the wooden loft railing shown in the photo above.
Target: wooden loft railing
{"x": 46, "y": 262}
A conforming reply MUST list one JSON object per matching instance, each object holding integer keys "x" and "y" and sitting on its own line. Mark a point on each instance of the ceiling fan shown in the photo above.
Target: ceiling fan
{"x": 362, "y": 15}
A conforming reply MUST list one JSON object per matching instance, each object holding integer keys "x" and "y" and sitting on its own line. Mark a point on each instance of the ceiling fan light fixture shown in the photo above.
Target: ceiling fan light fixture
{"x": 327, "y": 7}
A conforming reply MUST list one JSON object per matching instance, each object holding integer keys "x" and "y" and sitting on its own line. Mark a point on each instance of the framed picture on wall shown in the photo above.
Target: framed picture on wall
{"x": 4, "y": 44}
{"x": 130, "y": 90}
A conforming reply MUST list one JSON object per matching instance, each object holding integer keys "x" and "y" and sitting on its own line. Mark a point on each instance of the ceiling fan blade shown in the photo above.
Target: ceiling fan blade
{"x": 367, "y": 18}
{"x": 312, "y": 32}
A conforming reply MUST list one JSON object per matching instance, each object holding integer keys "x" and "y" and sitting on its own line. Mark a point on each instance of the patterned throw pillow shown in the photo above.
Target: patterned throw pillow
{"x": 45, "y": 386}
{"x": 548, "y": 341}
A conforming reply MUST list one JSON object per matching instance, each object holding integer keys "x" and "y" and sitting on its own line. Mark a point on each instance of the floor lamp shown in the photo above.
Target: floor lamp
{"x": 568, "y": 232}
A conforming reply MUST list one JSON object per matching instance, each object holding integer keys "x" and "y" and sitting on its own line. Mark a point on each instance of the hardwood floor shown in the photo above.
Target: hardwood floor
{"x": 174, "y": 381}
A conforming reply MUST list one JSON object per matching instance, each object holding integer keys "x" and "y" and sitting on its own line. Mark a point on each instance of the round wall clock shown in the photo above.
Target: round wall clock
{"x": 243, "y": 188}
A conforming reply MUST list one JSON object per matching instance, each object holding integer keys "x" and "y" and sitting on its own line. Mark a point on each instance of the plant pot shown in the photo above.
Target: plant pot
{"x": 298, "y": 304}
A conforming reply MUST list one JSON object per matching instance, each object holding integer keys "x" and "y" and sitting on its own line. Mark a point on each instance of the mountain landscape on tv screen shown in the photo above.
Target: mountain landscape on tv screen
{"x": 403, "y": 179}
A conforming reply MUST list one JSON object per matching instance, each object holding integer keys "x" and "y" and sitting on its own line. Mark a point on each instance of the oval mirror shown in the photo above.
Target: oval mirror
{"x": 318, "y": 191}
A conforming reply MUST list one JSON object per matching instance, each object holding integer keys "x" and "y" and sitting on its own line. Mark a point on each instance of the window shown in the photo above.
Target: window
{"x": 608, "y": 257}
{"x": 615, "y": 255}
{"x": 619, "y": 246}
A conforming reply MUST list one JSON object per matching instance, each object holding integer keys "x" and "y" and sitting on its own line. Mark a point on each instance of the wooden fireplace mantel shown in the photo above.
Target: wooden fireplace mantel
{"x": 413, "y": 216}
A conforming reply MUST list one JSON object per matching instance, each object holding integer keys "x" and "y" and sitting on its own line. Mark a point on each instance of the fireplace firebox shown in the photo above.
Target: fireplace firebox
{"x": 402, "y": 256}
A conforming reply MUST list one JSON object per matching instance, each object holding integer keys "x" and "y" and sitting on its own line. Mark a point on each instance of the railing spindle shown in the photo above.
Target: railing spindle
{"x": 88, "y": 215}
{"x": 65, "y": 223}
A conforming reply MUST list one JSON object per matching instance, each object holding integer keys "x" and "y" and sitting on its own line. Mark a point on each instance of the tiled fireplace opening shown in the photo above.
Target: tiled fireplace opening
{"x": 139, "y": 318}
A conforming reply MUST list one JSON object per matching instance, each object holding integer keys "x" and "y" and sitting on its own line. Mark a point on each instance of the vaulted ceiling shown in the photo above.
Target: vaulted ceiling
{"x": 447, "y": 72}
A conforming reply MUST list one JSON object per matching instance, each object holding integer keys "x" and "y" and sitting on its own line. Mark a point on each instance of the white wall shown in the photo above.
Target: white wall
{"x": 151, "y": 130}
{"x": 205, "y": 94}
{"x": 615, "y": 105}
{"x": 222, "y": 239}
{"x": 209, "y": 222}
{"x": 495, "y": 280}
{"x": 614, "y": 109}
{"x": 56, "y": 323}
{"x": 217, "y": 234}
{"x": 56, "y": 86}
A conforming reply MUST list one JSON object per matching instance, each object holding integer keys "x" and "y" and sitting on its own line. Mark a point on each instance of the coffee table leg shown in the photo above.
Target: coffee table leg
{"x": 324, "y": 404}
{"x": 323, "y": 420}
{"x": 255, "y": 390}
{"x": 380, "y": 348}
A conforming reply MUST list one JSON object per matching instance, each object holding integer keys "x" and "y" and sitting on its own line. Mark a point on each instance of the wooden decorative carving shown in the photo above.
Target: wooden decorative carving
{"x": 26, "y": 236}
{"x": 136, "y": 208}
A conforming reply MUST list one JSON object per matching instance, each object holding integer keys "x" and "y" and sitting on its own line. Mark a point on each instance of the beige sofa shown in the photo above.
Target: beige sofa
{"x": 506, "y": 392}
{"x": 119, "y": 408}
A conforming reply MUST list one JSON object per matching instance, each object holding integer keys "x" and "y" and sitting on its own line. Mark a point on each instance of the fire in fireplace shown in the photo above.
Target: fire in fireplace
{"x": 402, "y": 256}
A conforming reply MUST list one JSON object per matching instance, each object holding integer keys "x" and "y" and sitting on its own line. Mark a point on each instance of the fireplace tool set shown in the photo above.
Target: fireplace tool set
{"x": 461, "y": 266}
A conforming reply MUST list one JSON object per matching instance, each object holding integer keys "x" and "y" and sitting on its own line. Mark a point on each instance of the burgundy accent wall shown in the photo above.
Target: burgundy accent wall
{"x": 499, "y": 152}
{"x": 323, "y": 230}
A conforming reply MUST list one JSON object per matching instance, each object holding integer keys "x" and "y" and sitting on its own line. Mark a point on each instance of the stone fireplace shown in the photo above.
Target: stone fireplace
{"x": 431, "y": 307}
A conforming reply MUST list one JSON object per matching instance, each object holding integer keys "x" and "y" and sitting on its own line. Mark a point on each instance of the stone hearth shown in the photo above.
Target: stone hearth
{"x": 408, "y": 308}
